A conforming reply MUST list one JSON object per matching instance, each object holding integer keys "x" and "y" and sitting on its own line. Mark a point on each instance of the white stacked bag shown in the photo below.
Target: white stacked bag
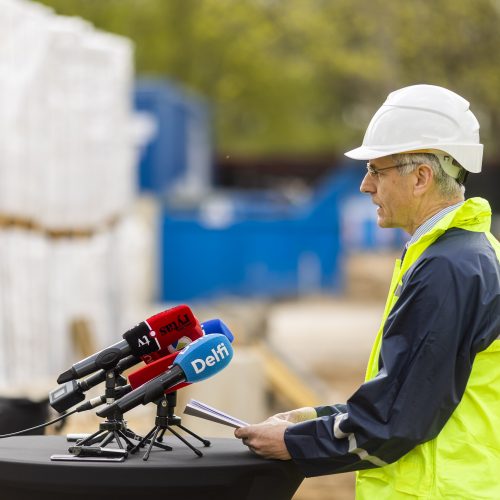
{"x": 68, "y": 233}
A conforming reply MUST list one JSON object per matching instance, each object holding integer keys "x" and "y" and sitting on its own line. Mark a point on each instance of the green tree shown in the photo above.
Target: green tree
{"x": 306, "y": 75}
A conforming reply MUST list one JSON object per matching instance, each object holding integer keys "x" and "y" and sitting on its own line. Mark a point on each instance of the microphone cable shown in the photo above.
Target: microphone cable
{"x": 99, "y": 400}
{"x": 46, "y": 424}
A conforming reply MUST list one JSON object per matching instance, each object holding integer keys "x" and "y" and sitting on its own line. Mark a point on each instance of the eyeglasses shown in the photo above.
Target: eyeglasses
{"x": 375, "y": 172}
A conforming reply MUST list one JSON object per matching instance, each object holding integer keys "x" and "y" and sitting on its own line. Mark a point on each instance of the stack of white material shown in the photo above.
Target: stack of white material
{"x": 67, "y": 177}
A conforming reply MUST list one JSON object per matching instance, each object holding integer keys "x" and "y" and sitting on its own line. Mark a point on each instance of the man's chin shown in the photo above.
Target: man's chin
{"x": 385, "y": 224}
{"x": 381, "y": 222}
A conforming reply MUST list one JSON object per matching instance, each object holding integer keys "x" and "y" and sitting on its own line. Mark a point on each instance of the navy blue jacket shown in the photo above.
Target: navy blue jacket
{"x": 447, "y": 311}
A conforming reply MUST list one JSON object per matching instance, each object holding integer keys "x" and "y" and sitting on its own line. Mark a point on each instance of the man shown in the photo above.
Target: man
{"x": 426, "y": 422}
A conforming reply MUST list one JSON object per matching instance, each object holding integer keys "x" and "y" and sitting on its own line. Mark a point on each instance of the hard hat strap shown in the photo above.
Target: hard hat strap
{"x": 453, "y": 170}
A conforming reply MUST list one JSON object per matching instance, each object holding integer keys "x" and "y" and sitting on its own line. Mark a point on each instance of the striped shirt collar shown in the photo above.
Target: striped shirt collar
{"x": 430, "y": 223}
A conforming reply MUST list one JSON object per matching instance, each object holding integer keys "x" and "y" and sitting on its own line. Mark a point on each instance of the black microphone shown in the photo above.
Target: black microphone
{"x": 197, "y": 361}
{"x": 71, "y": 393}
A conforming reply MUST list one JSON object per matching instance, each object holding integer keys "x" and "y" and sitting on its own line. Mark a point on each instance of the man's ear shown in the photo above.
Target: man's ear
{"x": 423, "y": 179}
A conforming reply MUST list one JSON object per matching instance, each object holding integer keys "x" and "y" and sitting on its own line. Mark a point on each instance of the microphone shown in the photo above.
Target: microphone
{"x": 217, "y": 326}
{"x": 71, "y": 393}
{"x": 198, "y": 361}
{"x": 147, "y": 340}
{"x": 146, "y": 373}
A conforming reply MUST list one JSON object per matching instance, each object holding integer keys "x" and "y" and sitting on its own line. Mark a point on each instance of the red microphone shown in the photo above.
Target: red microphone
{"x": 171, "y": 330}
{"x": 146, "y": 373}
{"x": 150, "y": 339}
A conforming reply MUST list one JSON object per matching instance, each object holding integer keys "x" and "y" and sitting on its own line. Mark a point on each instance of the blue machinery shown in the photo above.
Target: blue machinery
{"x": 283, "y": 251}
{"x": 245, "y": 244}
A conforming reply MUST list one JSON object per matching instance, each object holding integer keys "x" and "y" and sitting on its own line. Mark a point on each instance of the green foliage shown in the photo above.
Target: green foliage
{"x": 306, "y": 75}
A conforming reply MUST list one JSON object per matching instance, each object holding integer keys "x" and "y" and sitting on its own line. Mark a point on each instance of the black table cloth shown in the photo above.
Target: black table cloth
{"x": 226, "y": 471}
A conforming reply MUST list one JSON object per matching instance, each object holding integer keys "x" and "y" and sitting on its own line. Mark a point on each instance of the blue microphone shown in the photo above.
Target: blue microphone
{"x": 199, "y": 360}
{"x": 217, "y": 326}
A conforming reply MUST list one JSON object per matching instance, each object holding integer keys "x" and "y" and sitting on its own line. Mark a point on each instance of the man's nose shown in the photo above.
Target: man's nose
{"x": 367, "y": 185}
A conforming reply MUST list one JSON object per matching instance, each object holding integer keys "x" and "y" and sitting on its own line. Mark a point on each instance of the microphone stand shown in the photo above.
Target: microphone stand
{"x": 114, "y": 429}
{"x": 165, "y": 420}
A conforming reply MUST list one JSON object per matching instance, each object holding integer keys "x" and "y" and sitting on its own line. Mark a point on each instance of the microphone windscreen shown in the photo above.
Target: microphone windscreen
{"x": 217, "y": 326}
{"x": 174, "y": 329}
{"x": 163, "y": 333}
{"x": 204, "y": 357}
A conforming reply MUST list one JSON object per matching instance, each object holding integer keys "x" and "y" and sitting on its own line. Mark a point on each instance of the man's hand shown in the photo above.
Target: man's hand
{"x": 267, "y": 439}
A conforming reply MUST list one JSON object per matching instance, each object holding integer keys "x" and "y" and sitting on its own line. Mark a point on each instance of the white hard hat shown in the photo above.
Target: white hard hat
{"x": 423, "y": 117}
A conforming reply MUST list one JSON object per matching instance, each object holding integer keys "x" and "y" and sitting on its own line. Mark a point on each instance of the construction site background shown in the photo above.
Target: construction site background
{"x": 103, "y": 174}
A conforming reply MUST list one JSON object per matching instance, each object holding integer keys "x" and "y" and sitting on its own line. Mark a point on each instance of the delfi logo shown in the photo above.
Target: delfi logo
{"x": 218, "y": 355}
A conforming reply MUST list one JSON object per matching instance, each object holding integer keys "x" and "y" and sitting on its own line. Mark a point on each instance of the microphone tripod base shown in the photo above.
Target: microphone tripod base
{"x": 109, "y": 432}
{"x": 114, "y": 429}
{"x": 165, "y": 420}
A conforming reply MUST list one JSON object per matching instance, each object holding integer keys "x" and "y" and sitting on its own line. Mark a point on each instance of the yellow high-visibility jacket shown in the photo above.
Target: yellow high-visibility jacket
{"x": 426, "y": 422}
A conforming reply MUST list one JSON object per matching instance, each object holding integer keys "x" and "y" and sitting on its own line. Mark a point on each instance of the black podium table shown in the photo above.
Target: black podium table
{"x": 227, "y": 471}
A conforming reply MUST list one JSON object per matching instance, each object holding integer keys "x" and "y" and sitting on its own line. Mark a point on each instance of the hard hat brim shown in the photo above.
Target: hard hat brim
{"x": 364, "y": 153}
{"x": 468, "y": 155}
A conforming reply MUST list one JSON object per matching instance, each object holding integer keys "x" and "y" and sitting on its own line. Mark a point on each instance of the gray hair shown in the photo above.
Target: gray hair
{"x": 446, "y": 185}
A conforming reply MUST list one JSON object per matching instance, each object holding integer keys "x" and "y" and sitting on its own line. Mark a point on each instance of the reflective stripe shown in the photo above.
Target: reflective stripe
{"x": 337, "y": 431}
{"x": 363, "y": 454}
{"x": 353, "y": 445}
